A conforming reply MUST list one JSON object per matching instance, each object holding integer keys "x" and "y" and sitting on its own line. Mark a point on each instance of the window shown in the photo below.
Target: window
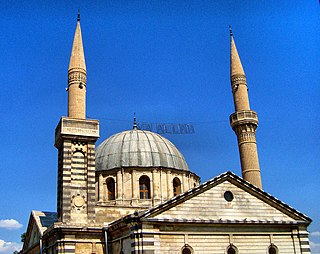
{"x": 144, "y": 185}
{"x": 228, "y": 196}
{"x": 111, "y": 189}
{"x": 176, "y": 186}
{"x": 187, "y": 249}
{"x": 273, "y": 249}
{"x": 232, "y": 249}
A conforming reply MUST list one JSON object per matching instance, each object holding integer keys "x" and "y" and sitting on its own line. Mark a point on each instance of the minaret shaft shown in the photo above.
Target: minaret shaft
{"x": 240, "y": 94}
{"x": 75, "y": 138}
{"x": 244, "y": 121}
{"x": 77, "y": 78}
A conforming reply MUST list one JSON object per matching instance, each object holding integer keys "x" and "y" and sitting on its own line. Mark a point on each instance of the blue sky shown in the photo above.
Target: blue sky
{"x": 168, "y": 61}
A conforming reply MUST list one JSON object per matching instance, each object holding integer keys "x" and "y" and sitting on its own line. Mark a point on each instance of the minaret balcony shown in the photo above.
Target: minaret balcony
{"x": 243, "y": 117}
{"x": 79, "y": 129}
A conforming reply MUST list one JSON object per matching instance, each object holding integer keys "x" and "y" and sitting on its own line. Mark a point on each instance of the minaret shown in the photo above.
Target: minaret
{"x": 244, "y": 121}
{"x": 77, "y": 77}
{"x": 75, "y": 138}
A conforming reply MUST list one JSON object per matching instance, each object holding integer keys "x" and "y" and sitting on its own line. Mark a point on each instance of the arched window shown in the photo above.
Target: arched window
{"x": 111, "y": 189}
{"x": 273, "y": 249}
{"x": 232, "y": 249}
{"x": 144, "y": 185}
{"x": 176, "y": 186}
{"x": 187, "y": 249}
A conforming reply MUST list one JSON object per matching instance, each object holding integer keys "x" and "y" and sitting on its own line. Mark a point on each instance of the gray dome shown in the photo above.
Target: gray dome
{"x": 138, "y": 148}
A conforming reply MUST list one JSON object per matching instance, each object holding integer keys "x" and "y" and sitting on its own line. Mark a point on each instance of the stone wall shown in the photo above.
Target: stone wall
{"x": 127, "y": 193}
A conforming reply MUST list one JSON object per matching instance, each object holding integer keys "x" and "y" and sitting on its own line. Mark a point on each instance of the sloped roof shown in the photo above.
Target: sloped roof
{"x": 46, "y": 219}
{"x": 291, "y": 216}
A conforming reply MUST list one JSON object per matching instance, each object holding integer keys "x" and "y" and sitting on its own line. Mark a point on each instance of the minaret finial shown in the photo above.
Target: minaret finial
{"x": 230, "y": 30}
{"x": 135, "y": 127}
{"x": 78, "y": 19}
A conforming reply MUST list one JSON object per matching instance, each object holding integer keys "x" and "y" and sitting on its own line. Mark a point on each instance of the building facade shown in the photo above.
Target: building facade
{"x": 134, "y": 193}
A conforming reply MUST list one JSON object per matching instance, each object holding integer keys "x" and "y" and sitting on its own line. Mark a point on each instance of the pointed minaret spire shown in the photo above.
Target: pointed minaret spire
{"x": 236, "y": 71}
{"x": 77, "y": 77}
{"x": 244, "y": 121}
{"x": 235, "y": 63}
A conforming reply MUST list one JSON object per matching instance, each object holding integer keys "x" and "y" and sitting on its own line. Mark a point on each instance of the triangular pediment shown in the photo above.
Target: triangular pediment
{"x": 38, "y": 223}
{"x": 33, "y": 233}
{"x": 208, "y": 203}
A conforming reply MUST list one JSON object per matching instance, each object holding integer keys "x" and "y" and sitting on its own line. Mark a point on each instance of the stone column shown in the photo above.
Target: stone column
{"x": 127, "y": 186}
{"x": 169, "y": 185}
{"x": 119, "y": 187}
{"x": 156, "y": 186}
{"x": 101, "y": 188}
{"x": 135, "y": 188}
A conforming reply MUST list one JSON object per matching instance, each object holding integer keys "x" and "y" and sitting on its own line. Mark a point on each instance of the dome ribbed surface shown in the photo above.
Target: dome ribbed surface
{"x": 138, "y": 148}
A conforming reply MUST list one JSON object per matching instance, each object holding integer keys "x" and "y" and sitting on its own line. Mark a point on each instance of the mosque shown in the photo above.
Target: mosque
{"x": 134, "y": 193}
